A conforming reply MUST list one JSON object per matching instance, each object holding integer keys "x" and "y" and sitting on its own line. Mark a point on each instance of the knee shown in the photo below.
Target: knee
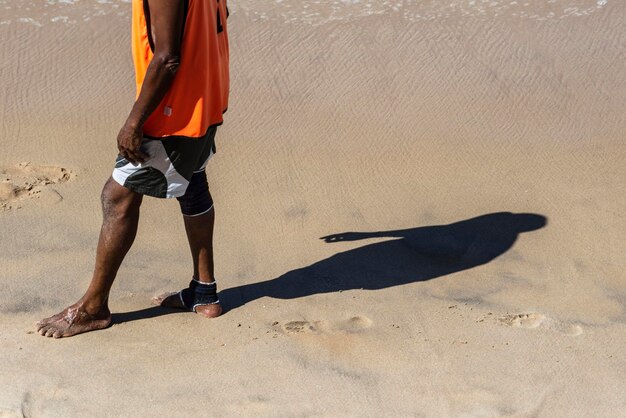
{"x": 118, "y": 201}
{"x": 197, "y": 199}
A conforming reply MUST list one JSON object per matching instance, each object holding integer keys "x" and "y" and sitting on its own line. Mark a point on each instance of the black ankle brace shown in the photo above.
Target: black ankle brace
{"x": 199, "y": 294}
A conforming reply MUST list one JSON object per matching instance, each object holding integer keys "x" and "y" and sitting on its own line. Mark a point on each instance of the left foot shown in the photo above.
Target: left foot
{"x": 73, "y": 320}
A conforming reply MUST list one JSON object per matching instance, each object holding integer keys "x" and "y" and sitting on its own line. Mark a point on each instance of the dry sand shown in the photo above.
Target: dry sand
{"x": 466, "y": 162}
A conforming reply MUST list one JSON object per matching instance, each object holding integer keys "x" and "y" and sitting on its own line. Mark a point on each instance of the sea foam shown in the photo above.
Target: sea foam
{"x": 314, "y": 12}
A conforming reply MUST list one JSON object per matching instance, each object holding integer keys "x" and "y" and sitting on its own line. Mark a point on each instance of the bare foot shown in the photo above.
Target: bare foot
{"x": 172, "y": 300}
{"x": 73, "y": 320}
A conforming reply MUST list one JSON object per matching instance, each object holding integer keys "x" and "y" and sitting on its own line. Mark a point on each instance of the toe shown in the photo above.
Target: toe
{"x": 158, "y": 300}
{"x": 42, "y": 330}
{"x": 50, "y": 320}
{"x": 57, "y": 334}
{"x": 42, "y": 322}
{"x": 49, "y": 332}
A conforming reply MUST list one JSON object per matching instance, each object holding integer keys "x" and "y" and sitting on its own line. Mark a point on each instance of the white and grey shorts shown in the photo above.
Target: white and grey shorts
{"x": 171, "y": 163}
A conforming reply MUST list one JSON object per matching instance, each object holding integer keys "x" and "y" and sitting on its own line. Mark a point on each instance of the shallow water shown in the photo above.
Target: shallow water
{"x": 43, "y": 12}
{"x": 319, "y": 11}
{"x": 313, "y": 12}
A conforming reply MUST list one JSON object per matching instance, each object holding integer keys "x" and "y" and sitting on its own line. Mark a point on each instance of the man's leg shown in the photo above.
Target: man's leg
{"x": 199, "y": 216}
{"x": 200, "y": 236}
{"x": 120, "y": 208}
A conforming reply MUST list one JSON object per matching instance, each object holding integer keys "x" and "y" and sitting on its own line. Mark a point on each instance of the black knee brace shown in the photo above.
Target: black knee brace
{"x": 197, "y": 199}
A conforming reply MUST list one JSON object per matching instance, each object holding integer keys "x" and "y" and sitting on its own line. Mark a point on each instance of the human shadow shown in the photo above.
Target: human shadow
{"x": 415, "y": 255}
{"x": 146, "y": 313}
{"x": 411, "y": 255}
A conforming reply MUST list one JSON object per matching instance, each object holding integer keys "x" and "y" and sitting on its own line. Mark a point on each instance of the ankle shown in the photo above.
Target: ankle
{"x": 204, "y": 279}
{"x": 94, "y": 306}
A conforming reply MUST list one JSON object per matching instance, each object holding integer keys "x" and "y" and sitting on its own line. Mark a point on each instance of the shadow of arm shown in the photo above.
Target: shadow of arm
{"x": 356, "y": 236}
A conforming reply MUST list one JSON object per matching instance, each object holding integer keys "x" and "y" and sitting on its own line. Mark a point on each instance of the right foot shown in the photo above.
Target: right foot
{"x": 172, "y": 300}
{"x": 73, "y": 320}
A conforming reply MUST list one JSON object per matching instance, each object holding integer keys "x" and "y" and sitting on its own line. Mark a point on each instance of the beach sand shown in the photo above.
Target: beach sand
{"x": 420, "y": 212}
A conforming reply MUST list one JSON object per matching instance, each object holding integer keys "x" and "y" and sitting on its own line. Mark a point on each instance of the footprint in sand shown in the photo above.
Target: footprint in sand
{"x": 572, "y": 330}
{"x": 534, "y": 320}
{"x": 354, "y": 324}
{"x": 26, "y": 181}
{"x": 296, "y": 327}
{"x": 526, "y": 320}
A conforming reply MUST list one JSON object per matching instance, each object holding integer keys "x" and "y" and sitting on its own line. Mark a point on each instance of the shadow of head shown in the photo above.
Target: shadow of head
{"x": 515, "y": 222}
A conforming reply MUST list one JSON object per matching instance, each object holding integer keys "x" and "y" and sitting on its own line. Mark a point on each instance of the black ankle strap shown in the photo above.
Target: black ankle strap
{"x": 199, "y": 293}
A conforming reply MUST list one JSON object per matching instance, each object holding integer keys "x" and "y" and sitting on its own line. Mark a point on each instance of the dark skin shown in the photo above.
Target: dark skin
{"x": 120, "y": 206}
{"x": 166, "y": 19}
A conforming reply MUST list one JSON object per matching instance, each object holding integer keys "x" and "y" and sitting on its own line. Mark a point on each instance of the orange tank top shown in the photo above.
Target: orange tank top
{"x": 198, "y": 95}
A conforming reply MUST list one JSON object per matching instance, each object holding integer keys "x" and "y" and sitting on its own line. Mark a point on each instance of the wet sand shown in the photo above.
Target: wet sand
{"x": 420, "y": 211}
